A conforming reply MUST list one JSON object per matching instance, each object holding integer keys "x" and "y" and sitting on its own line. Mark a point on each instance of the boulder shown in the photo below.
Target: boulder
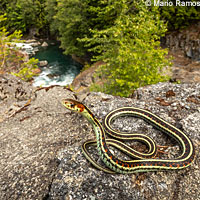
{"x": 76, "y": 178}
{"x": 36, "y": 71}
{"x": 29, "y": 139}
{"x": 35, "y": 44}
{"x": 43, "y": 63}
{"x": 40, "y": 143}
{"x": 31, "y": 41}
{"x": 45, "y": 44}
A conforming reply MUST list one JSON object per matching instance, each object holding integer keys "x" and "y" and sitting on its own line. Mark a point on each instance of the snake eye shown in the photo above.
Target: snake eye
{"x": 72, "y": 105}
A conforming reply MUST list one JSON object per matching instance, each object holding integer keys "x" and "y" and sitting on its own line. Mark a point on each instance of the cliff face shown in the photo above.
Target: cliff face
{"x": 40, "y": 143}
{"x": 186, "y": 40}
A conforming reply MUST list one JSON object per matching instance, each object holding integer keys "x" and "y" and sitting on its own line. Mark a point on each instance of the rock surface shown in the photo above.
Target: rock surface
{"x": 40, "y": 143}
{"x": 43, "y": 63}
{"x": 32, "y": 133}
{"x": 44, "y": 44}
{"x": 184, "y": 69}
{"x": 85, "y": 79}
{"x": 186, "y": 40}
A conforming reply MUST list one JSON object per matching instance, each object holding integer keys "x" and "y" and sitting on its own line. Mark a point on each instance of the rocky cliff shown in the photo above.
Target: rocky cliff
{"x": 186, "y": 40}
{"x": 40, "y": 143}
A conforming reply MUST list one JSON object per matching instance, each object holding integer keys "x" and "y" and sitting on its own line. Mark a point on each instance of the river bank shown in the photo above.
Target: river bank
{"x": 183, "y": 46}
{"x": 54, "y": 68}
{"x": 60, "y": 70}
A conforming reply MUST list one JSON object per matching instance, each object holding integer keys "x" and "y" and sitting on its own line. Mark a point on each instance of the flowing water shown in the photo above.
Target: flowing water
{"x": 61, "y": 69}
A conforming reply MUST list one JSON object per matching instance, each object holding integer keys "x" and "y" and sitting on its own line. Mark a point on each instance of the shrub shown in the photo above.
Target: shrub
{"x": 11, "y": 60}
{"x": 130, "y": 48}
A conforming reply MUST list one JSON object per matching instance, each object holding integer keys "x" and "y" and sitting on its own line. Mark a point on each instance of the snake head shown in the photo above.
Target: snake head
{"x": 73, "y": 105}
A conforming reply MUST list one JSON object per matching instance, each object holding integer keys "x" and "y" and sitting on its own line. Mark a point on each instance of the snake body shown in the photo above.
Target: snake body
{"x": 142, "y": 162}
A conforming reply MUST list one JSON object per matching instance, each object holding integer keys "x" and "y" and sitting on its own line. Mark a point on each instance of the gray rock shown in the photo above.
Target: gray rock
{"x": 40, "y": 144}
{"x": 31, "y": 41}
{"x": 188, "y": 52}
{"x": 77, "y": 179}
{"x": 35, "y": 44}
{"x": 30, "y": 138}
{"x": 186, "y": 40}
{"x": 43, "y": 63}
{"x": 45, "y": 44}
{"x": 86, "y": 78}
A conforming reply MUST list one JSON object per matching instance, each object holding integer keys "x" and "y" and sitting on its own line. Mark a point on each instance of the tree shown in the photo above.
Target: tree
{"x": 68, "y": 21}
{"x": 130, "y": 48}
{"x": 71, "y": 20}
{"x": 8, "y": 54}
{"x": 178, "y": 17}
{"x": 24, "y": 14}
{"x": 11, "y": 60}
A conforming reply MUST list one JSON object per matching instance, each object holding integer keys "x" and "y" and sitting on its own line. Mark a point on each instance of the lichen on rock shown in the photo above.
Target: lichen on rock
{"x": 40, "y": 143}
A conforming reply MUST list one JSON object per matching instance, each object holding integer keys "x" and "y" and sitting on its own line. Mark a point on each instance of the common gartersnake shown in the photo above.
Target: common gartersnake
{"x": 142, "y": 162}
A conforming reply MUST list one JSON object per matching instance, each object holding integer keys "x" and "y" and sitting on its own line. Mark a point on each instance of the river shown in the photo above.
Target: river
{"x": 61, "y": 69}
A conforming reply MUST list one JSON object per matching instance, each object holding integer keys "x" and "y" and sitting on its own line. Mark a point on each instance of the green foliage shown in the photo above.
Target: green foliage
{"x": 51, "y": 10}
{"x": 123, "y": 33}
{"x": 73, "y": 19}
{"x": 179, "y": 17}
{"x": 85, "y": 67}
{"x": 10, "y": 57}
{"x": 130, "y": 48}
{"x": 26, "y": 72}
{"x": 24, "y": 14}
{"x": 70, "y": 18}
{"x": 8, "y": 54}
